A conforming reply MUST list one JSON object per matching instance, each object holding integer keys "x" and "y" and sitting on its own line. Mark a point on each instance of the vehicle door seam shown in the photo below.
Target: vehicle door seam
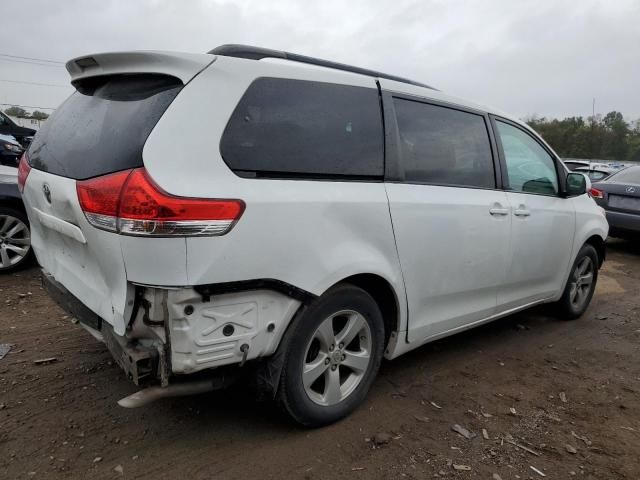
{"x": 395, "y": 243}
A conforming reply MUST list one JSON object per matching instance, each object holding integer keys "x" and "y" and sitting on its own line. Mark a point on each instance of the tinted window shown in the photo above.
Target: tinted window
{"x": 103, "y": 126}
{"x": 530, "y": 168}
{"x": 628, "y": 175}
{"x": 595, "y": 175}
{"x": 302, "y": 128}
{"x": 443, "y": 146}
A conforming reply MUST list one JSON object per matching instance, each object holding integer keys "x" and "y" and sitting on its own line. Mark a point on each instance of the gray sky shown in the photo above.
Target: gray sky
{"x": 544, "y": 57}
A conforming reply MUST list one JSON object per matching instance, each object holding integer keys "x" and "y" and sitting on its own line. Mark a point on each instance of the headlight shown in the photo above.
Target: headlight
{"x": 12, "y": 148}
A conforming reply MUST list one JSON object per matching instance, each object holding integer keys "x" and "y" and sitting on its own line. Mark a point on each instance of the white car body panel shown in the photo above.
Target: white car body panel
{"x": 452, "y": 253}
{"x": 92, "y": 270}
{"x": 539, "y": 246}
{"x": 590, "y": 222}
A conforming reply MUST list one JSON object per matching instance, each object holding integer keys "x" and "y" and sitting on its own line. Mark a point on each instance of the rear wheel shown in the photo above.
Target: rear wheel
{"x": 15, "y": 240}
{"x": 333, "y": 356}
{"x": 580, "y": 285}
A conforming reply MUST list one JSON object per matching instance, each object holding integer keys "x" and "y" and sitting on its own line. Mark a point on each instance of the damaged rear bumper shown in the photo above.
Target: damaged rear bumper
{"x": 175, "y": 332}
{"x": 142, "y": 364}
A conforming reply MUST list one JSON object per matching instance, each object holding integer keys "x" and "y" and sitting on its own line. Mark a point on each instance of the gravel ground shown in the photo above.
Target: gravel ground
{"x": 537, "y": 395}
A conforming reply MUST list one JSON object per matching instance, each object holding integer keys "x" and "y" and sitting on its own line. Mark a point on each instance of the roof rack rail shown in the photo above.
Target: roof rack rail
{"x": 257, "y": 53}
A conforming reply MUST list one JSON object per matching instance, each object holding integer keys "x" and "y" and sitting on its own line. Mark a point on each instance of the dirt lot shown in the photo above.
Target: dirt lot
{"x": 568, "y": 392}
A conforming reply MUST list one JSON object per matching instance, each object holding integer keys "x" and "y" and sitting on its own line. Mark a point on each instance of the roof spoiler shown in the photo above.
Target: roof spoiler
{"x": 183, "y": 66}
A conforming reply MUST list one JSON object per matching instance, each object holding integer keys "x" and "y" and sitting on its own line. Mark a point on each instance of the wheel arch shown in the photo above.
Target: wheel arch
{"x": 597, "y": 242}
{"x": 384, "y": 295}
{"x": 381, "y": 290}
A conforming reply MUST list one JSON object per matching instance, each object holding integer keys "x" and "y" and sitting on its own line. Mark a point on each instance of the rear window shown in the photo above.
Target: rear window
{"x": 443, "y": 146}
{"x": 628, "y": 175}
{"x": 103, "y": 126}
{"x": 297, "y": 128}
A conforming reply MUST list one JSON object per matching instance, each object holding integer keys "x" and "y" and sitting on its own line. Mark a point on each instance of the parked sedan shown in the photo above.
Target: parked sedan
{"x": 596, "y": 174}
{"x": 23, "y": 135}
{"x": 10, "y": 151}
{"x": 619, "y": 195}
{"x": 15, "y": 235}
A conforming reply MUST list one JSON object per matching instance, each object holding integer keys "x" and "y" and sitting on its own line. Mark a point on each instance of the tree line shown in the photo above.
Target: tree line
{"x": 608, "y": 137}
{"x": 22, "y": 113}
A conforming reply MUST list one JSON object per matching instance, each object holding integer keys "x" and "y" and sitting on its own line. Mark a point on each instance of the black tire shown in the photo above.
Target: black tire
{"x": 566, "y": 308}
{"x": 292, "y": 395}
{"x": 28, "y": 258}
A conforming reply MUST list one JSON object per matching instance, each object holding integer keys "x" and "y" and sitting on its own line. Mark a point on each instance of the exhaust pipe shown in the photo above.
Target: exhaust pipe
{"x": 148, "y": 395}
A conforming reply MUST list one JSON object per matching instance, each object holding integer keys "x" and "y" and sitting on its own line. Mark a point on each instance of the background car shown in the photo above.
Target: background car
{"x": 596, "y": 174}
{"x": 573, "y": 164}
{"x": 23, "y": 135}
{"x": 619, "y": 195}
{"x": 15, "y": 232}
{"x": 10, "y": 151}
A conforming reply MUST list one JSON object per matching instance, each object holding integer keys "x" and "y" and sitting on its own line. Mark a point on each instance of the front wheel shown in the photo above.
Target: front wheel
{"x": 580, "y": 285}
{"x": 333, "y": 355}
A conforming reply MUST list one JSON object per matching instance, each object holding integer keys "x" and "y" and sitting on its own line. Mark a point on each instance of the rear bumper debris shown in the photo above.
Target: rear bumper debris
{"x": 142, "y": 363}
{"x": 69, "y": 303}
{"x": 175, "y": 332}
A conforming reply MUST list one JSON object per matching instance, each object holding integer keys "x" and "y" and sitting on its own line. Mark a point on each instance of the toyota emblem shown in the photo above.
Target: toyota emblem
{"x": 47, "y": 192}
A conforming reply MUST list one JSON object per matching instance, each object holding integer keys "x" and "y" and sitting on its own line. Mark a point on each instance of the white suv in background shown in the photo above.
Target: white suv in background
{"x": 250, "y": 210}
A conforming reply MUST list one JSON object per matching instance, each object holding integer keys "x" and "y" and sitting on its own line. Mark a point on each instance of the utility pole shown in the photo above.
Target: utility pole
{"x": 593, "y": 125}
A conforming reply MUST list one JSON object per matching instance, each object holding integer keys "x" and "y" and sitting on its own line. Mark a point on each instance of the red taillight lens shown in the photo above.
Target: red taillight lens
{"x": 130, "y": 203}
{"x": 99, "y": 199}
{"x": 23, "y": 171}
{"x": 595, "y": 193}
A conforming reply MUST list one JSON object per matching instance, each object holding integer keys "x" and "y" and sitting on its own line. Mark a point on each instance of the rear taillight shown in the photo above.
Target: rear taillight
{"x": 99, "y": 199}
{"x": 23, "y": 171}
{"x": 595, "y": 193}
{"x": 130, "y": 203}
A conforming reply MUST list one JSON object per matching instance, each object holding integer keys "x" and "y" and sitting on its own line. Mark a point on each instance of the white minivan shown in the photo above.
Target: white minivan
{"x": 251, "y": 211}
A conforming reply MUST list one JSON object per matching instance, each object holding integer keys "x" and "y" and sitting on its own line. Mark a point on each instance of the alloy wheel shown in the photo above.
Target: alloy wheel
{"x": 337, "y": 358}
{"x": 15, "y": 241}
{"x": 582, "y": 283}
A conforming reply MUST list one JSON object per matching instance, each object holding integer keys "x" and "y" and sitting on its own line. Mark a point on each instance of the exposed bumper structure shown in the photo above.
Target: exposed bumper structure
{"x": 141, "y": 363}
{"x": 176, "y": 331}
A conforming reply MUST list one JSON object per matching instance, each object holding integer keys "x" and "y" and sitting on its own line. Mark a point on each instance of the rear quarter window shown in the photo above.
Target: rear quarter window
{"x": 305, "y": 129}
{"x": 443, "y": 146}
{"x": 103, "y": 126}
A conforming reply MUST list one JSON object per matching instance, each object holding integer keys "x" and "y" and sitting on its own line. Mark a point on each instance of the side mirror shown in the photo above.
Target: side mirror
{"x": 577, "y": 184}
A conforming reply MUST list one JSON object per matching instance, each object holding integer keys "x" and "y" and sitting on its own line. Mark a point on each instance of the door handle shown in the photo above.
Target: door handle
{"x": 521, "y": 211}
{"x": 498, "y": 210}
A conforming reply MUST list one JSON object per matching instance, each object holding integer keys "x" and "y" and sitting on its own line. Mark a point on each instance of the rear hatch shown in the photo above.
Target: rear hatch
{"x": 624, "y": 199}
{"x": 99, "y": 130}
